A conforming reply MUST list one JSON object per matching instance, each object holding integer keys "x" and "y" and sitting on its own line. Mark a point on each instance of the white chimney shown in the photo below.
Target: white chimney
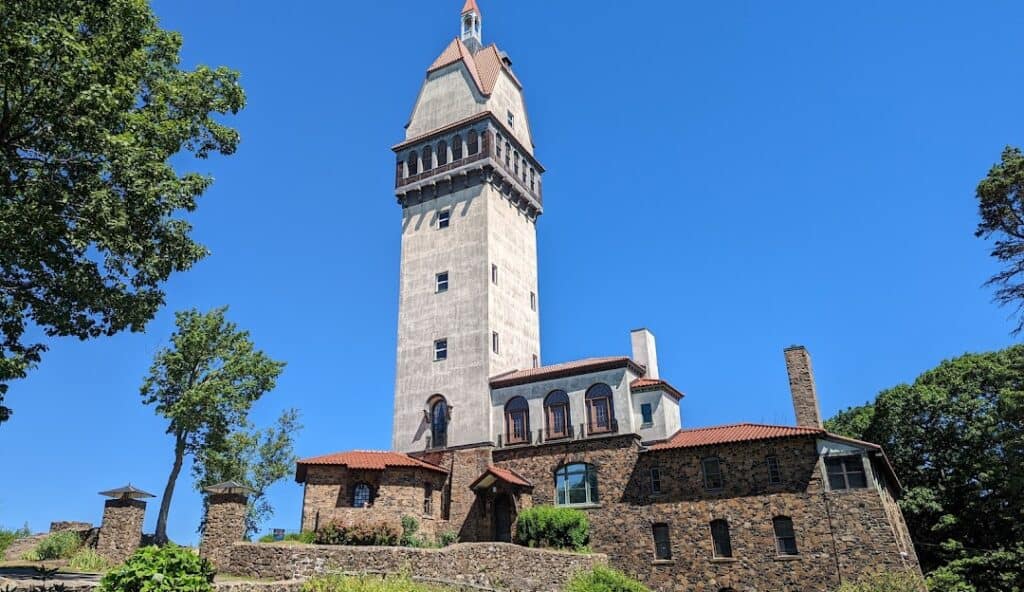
{"x": 645, "y": 351}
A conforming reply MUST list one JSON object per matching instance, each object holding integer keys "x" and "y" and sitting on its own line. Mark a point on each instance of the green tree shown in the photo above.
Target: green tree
{"x": 956, "y": 439}
{"x": 204, "y": 384}
{"x": 257, "y": 458}
{"x": 1001, "y": 205}
{"x": 92, "y": 108}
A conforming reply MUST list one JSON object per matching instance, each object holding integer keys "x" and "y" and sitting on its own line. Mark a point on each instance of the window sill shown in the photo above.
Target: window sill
{"x": 723, "y": 560}
{"x": 645, "y": 426}
{"x": 788, "y": 558}
{"x": 582, "y": 506}
{"x": 663, "y": 562}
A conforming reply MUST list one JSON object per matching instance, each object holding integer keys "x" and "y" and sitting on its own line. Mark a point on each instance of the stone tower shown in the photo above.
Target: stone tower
{"x": 470, "y": 191}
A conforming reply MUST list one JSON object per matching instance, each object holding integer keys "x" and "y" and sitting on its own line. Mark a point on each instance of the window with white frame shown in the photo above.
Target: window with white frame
{"x": 444, "y": 218}
{"x": 576, "y": 484}
{"x": 440, "y": 350}
{"x": 441, "y": 284}
{"x": 846, "y": 472}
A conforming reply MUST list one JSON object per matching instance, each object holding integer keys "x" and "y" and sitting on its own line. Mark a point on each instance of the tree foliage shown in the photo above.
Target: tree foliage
{"x": 956, "y": 439}
{"x": 92, "y": 107}
{"x": 257, "y": 458}
{"x": 205, "y": 384}
{"x": 1001, "y": 205}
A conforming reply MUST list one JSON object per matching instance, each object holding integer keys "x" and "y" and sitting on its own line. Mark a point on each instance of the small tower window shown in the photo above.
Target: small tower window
{"x": 508, "y": 153}
{"x": 473, "y": 142}
{"x": 440, "y": 350}
{"x": 511, "y": 119}
{"x": 444, "y": 218}
{"x": 413, "y": 163}
{"x": 428, "y": 158}
{"x": 646, "y": 414}
{"x": 438, "y": 422}
{"x": 494, "y": 274}
{"x": 442, "y": 153}
{"x": 533, "y": 301}
{"x": 495, "y": 342}
{"x": 441, "y": 282}
{"x": 457, "y": 148}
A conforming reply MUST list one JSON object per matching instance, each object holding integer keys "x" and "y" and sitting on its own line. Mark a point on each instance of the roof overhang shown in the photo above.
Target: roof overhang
{"x": 494, "y": 475}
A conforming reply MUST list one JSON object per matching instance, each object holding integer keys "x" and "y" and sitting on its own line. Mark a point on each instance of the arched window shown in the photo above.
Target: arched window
{"x": 438, "y": 422}
{"x": 428, "y": 158}
{"x": 785, "y": 537}
{"x": 517, "y": 421}
{"x": 473, "y": 142}
{"x": 457, "y": 148}
{"x": 600, "y": 413}
{"x": 576, "y": 484}
{"x": 362, "y": 495}
{"x": 556, "y": 411}
{"x": 442, "y": 153}
{"x": 720, "y": 538}
{"x": 414, "y": 163}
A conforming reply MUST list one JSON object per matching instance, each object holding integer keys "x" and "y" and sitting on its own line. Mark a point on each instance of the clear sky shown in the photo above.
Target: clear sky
{"x": 736, "y": 176}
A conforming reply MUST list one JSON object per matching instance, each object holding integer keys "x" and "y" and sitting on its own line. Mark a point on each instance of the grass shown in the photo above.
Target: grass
{"x": 339, "y": 583}
{"x": 59, "y": 545}
{"x": 88, "y": 561}
{"x": 8, "y": 536}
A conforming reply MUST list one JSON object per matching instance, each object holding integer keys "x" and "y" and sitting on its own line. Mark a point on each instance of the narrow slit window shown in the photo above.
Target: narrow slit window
{"x": 494, "y": 274}
{"x": 774, "y": 472}
{"x": 646, "y": 414}
{"x": 495, "y": 342}
{"x": 655, "y": 480}
{"x": 440, "y": 350}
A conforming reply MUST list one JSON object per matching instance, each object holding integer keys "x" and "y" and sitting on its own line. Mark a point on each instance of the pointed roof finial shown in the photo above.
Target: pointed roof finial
{"x": 471, "y": 26}
{"x": 471, "y": 7}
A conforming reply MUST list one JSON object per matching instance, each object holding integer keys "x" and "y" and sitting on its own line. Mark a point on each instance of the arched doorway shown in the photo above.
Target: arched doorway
{"x": 503, "y": 518}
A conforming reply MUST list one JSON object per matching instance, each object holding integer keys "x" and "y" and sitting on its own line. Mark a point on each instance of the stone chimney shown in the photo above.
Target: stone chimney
{"x": 226, "y": 507}
{"x": 645, "y": 351}
{"x": 801, "y": 386}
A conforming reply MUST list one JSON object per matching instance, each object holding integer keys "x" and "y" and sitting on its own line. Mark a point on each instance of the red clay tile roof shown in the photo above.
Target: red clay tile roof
{"x": 737, "y": 432}
{"x": 562, "y": 370}
{"x": 505, "y": 475}
{"x": 483, "y": 66}
{"x": 654, "y": 384}
{"x": 371, "y": 460}
{"x": 470, "y": 7}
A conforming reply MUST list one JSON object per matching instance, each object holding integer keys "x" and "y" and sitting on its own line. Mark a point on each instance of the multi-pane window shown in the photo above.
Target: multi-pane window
{"x": 576, "y": 484}
{"x": 457, "y": 148}
{"x": 428, "y": 499}
{"x": 774, "y": 473}
{"x": 444, "y": 218}
{"x": 655, "y": 480}
{"x": 494, "y": 274}
{"x": 646, "y": 414}
{"x": 441, "y": 284}
{"x": 846, "y": 472}
{"x": 362, "y": 496}
{"x": 511, "y": 119}
{"x": 662, "y": 542}
{"x": 440, "y": 350}
{"x": 556, "y": 406}
{"x": 533, "y": 301}
{"x": 517, "y": 420}
{"x": 495, "y": 342}
{"x": 720, "y": 539}
{"x": 599, "y": 408}
{"x": 712, "y": 469}
{"x": 785, "y": 537}
{"x": 439, "y": 423}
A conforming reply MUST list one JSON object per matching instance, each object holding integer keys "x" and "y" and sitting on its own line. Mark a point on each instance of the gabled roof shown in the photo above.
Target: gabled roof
{"x": 371, "y": 460}
{"x": 471, "y": 6}
{"x": 483, "y": 66}
{"x": 574, "y": 368}
{"x": 654, "y": 384}
{"x": 736, "y": 432}
{"x": 494, "y": 473}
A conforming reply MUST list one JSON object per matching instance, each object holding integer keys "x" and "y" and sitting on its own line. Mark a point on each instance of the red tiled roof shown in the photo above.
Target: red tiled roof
{"x": 566, "y": 369}
{"x": 737, "y": 432}
{"x": 371, "y": 460}
{"x": 456, "y": 51}
{"x": 654, "y": 384}
{"x": 483, "y": 66}
{"x": 501, "y": 474}
{"x": 471, "y": 7}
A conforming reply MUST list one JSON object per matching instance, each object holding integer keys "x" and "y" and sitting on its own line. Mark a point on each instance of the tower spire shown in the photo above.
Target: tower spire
{"x": 472, "y": 21}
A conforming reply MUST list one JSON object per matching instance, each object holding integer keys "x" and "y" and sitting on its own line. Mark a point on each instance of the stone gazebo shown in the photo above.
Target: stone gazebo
{"x": 121, "y": 530}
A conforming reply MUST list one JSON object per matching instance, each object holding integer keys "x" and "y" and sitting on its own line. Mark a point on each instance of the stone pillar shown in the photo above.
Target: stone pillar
{"x": 225, "y": 526}
{"x": 121, "y": 530}
{"x": 801, "y": 386}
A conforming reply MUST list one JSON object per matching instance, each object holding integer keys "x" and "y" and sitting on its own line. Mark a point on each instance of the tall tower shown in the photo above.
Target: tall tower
{"x": 470, "y": 191}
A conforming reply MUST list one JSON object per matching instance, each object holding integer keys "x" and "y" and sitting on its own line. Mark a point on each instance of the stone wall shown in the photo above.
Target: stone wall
{"x": 224, "y": 526}
{"x": 121, "y": 529}
{"x": 497, "y": 566}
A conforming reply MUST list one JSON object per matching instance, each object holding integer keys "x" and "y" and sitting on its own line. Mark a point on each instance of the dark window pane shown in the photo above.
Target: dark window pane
{"x": 721, "y": 539}
{"x": 836, "y": 482}
{"x": 662, "y": 542}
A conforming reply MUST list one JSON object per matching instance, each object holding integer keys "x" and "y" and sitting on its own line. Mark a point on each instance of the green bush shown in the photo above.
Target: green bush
{"x": 9, "y": 536}
{"x": 160, "y": 569}
{"x": 548, "y": 526}
{"x": 370, "y": 532}
{"x": 604, "y": 579}
{"x": 59, "y": 545}
{"x": 339, "y": 583}
{"x": 447, "y": 537}
{"x": 306, "y": 538}
{"x": 88, "y": 560}
{"x": 885, "y": 582}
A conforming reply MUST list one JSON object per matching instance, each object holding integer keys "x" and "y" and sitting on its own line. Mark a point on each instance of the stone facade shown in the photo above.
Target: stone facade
{"x": 802, "y": 387}
{"x": 496, "y": 566}
{"x": 121, "y": 529}
{"x": 224, "y": 526}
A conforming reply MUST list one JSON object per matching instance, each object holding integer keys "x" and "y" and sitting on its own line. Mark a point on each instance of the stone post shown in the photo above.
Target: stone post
{"x": 121, "y": 530}
{"x": 225, "y": 526}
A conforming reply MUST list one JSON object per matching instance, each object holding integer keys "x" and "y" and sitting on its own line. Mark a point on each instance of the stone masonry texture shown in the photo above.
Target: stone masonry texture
{"x": 121, "y": 529}
{"x": 224, "y": 526}
{"x": 801, "y": 385}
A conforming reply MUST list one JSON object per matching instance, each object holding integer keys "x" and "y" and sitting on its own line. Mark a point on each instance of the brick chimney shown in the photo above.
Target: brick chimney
{"x": 644, "y": 351}
{"x": 801, "y": 386}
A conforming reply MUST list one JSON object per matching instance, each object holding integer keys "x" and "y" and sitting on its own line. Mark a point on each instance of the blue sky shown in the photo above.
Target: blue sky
{"x": 736, "y": 176}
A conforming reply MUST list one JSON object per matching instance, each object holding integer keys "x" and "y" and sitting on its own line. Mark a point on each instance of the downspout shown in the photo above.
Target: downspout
{"x": 832, "y": 533}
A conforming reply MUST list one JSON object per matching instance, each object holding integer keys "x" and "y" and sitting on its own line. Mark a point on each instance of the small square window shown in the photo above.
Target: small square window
{"x": 494, "y": 342}
{"x": 494, "y": 274}
{"x": 646, "y": 414}
{"x": 442, "y": 282}
{"x": 444, "y": 218}
{"x": 846, "y": 472}
{"x": 440, "y": 350}
{"x": 774, "y": 472}
{"x": 655, "y": 480}
{"x": 533, "y": 301}
{"x": 712, "y": 473}
{"x": 511, "y": 119}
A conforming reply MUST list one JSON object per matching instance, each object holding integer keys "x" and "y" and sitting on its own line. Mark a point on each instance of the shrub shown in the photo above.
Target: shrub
{"x": 59, "y": 545}
{"x": 339, "y": 583}
{"x": 160, "y": 569}
{"x": 292, "y": 537}
{"x": 9, "y": 536}
{"x": 369, "y": 532}
{"x": 548, "y": 526}
{"x": 447, "y": 537}
{"x": 410, "y": 526}
{"x": 885, "y": 582}
{"x": 604, "y": 579}
{"x": 88, "y": 560}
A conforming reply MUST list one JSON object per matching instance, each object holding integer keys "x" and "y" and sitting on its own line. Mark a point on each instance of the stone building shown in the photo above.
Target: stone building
{"x": 483, "y": 429}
